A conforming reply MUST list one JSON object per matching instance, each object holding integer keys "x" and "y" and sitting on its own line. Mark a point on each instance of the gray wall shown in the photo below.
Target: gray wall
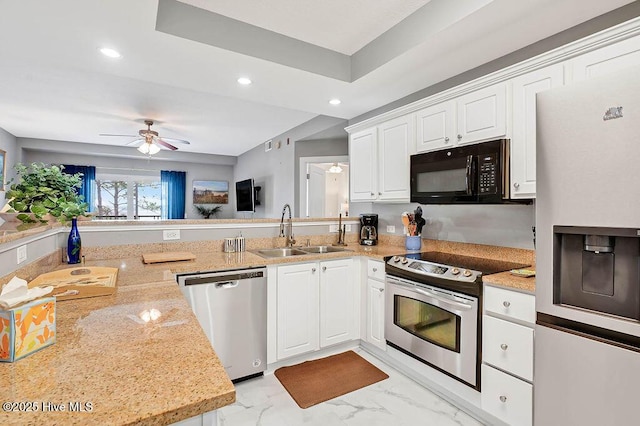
{"x": 275, "y": 170}
{"x": 196, "y": 166}
{"x": 316, "y": 148}
{"x": 7, "y": 144}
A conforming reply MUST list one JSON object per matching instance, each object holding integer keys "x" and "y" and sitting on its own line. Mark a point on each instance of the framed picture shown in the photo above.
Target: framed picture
{"x": 3, "y": 168}
{"x": 210, "y": 192}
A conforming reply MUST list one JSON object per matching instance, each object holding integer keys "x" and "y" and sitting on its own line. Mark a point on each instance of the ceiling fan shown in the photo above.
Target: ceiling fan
{"x": 149, "y": 140}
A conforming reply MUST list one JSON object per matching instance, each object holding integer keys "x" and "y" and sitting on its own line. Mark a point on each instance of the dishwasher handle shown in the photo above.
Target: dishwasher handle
{"x": 227, "y": 284}
{"x": 220, "y": 277}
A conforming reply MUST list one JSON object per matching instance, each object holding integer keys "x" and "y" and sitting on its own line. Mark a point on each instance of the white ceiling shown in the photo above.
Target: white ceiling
{"x": 55, "y": 85}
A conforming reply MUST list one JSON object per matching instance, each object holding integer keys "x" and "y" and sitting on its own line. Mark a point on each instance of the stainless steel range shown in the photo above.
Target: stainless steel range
{"x": 434, "y": 309}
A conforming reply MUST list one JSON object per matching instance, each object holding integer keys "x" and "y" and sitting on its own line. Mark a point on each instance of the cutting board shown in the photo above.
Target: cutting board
{"x": 86, "y": 281}
{"x": 169, "y": 256}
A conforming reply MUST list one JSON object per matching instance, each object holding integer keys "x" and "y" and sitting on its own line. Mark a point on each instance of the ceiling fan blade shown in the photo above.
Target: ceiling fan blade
{"x": 139, "y": 140}
{"x": 109, "y": 134}
{"x": 172, "y": 140}
{"x": 165, "y": 144}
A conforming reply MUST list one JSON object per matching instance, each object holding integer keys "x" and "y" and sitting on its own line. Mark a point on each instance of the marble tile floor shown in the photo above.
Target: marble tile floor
{"x": 396, "y": 401}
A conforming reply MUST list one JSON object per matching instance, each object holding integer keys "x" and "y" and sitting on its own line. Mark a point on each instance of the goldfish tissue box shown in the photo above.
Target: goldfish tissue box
{"x": 27, "y": 328}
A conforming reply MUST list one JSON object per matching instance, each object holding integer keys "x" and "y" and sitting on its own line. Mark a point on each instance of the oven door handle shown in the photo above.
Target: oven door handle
{"x": 459, "y": 305}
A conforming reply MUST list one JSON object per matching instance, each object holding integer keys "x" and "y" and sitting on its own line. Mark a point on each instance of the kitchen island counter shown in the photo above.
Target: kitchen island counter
{"x": 138, "y": 356}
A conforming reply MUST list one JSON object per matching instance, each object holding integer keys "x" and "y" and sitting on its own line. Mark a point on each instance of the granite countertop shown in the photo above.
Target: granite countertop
{"x": 131, "y": 371}
{"x": 512, "y": 282}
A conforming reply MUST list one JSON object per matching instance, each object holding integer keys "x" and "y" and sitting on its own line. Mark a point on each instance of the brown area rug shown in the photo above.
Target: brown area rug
{"x": 313, "y": 382}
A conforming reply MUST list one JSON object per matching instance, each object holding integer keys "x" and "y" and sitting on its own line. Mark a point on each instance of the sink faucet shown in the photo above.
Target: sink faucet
{"x": 290, "y": 240}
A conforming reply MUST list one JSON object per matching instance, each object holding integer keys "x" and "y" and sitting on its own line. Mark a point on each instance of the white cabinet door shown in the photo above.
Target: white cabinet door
{"x": 616, "y": 57}
{"x": 436, "y": 127}
{"x": 339, "y": 302}
{"x": 395, "y": 144}
{"x": 363, "y": 165}
{"x": 523, "y": 141}
{"x": 375, "y": 313}
{"x": 482, "y": 115}
{"x": 297, "y": 306}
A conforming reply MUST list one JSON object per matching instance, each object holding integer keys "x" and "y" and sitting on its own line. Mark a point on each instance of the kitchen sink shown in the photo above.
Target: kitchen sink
{"x": 280, "y": 252}
{"x": 323, "y": 249}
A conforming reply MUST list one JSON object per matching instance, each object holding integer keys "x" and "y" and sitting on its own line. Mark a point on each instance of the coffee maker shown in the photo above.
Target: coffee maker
{"x": 368, "y": 229}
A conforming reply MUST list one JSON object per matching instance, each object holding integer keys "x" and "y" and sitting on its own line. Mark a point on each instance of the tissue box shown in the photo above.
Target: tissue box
{"x": 27, "y": 328}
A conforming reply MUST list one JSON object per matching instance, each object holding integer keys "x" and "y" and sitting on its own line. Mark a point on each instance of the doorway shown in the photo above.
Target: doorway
{"x": 324, "y": 186}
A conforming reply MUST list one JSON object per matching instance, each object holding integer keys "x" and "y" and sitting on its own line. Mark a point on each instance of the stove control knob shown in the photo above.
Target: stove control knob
{"x": 455, "y": 271}
{"x": 405, "y": 261}
{"x": 466, "y": 273}
{"x": 396, "y": 259}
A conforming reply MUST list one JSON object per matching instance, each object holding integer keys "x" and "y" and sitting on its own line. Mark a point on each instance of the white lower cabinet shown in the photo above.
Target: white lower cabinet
{"x": 317, "y": 305}
{"x": 506, "y": 397}
{"x": 375, "y": 304}
{"x": 507, "y": 355}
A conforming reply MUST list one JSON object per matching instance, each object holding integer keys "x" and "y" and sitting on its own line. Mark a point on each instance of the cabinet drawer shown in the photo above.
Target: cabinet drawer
{"x": 375, "y": 269}
{"x": 508, "y": 346}
{"x": 506, "y": 397}
{"x": 511, "y": 304}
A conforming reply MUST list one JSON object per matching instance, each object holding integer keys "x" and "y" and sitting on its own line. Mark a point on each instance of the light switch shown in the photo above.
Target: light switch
{"x": 22, "y": 254}
{"x": 391, "y": 229}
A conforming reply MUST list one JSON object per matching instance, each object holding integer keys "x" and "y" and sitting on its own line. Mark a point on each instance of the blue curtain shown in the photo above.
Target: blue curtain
{"x": 88, "y": 181}
{"x": 173, "y": 193}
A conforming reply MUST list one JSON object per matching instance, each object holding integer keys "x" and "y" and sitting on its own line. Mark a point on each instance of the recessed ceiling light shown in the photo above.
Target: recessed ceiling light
{"x": 335, "y": 101}
{"x": 111, "y": 53}
{"x": 244, "y": 81}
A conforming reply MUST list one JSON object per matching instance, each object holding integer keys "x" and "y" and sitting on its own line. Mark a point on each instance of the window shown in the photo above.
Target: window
{"x": 134, "y": 196}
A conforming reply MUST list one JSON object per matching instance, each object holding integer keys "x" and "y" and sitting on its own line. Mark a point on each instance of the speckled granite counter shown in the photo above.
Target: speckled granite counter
{"x": 507, "y": 280}
{"x": 131, "y": 371}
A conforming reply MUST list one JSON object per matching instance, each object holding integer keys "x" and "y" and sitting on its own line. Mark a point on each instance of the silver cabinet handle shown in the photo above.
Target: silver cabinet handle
{"x": 503, "y": 398}
{"x": 379, "y": 193}
{"x": 446, "y": 139}
{"x": 372, "y": 194}
{"x": 506, "y": 304}
{"x": 459, "y": 137}
{"x": 313, "y": 270}
{"x": 381, "y": 290}
{"x": 504, "y": 346}
{"x": 324, "y": 268}
{"x": 516, "y": 185}
{"x": 375, "y": 269}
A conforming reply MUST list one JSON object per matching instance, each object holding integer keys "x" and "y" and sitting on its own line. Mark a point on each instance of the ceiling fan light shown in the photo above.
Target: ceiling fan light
{"x": 144, "y": 148}
{"x": 153, "y": 149}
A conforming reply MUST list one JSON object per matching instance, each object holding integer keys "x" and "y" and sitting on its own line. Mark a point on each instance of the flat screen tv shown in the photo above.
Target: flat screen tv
{"x": 245, "y": 196}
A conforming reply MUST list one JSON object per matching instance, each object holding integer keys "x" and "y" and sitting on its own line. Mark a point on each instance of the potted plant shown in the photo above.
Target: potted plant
{"x": 45, "y": 190}
{"x": 207, "y": 212}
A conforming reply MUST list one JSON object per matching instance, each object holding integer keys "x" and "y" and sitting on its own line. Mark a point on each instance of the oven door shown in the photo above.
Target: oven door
{"x": 434, "y": 325}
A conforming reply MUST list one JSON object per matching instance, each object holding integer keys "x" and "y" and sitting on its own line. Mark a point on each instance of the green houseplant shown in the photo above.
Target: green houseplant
{"x": 44, "y": 189}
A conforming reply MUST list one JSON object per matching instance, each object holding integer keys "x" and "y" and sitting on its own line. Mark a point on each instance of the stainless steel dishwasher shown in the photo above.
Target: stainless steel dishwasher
{"x": 231, "y": 307}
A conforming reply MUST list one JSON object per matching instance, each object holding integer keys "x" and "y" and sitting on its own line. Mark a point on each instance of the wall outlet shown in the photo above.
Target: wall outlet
{"x": 171, "y": 234}
{"x": 391, "y": 229}
{"x": 333, "y": 228}
{"x": 347, "y": 227}
{"x": 21, "y": 254}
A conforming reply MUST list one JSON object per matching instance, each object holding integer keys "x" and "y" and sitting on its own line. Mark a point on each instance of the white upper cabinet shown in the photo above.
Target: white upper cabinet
{"x": 395, "y": 145}
{"x": 363, "y": 165}
{"x": 379, "y": 158}
{"x": 612, "y": 58}
{"x": 474, "y": 117}
{"x": 436, "y": 127}
{"x": 482, "y": 115}
{"x": 523, "y": 141}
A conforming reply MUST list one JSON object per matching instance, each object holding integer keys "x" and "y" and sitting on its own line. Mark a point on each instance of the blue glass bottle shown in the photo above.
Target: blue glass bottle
{"x": 74, "y": 243}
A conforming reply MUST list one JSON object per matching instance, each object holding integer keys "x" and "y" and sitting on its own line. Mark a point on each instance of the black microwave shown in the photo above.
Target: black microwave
{"x": 471, "y": 174}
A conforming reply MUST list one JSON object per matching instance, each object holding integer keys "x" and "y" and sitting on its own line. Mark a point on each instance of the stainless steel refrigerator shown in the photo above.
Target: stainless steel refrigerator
{"x": 587, "y": 336}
